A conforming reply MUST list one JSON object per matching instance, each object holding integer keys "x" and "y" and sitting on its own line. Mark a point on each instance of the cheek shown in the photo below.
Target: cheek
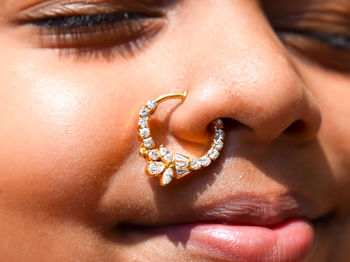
{"x": 336, "y": 130}
{"x": 332, "y": 93}
{"x": 61, "y": 137}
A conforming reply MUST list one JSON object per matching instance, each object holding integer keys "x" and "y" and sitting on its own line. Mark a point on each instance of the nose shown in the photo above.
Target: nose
{"x": 242, "y": 72}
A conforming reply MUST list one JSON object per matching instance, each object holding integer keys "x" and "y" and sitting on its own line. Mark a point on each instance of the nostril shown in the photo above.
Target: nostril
{"x": 298, "y": 127}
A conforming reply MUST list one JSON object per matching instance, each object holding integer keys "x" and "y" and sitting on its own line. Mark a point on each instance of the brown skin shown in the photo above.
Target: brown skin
{"x": 70, "y": 172}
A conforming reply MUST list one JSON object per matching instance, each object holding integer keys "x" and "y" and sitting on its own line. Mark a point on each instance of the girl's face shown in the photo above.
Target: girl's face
{"x": 74, "y": 75}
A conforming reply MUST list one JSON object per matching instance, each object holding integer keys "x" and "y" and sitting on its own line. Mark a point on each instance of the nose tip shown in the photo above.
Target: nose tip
{"x": 280, "y": 109}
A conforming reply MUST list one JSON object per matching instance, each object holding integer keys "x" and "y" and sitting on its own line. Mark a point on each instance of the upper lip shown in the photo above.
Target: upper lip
{"x": 242, "y": 209}
{"x": 251, "y": 209}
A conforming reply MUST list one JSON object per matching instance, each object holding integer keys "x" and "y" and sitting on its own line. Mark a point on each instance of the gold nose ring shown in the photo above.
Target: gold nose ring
{"x": 160, "y": 162}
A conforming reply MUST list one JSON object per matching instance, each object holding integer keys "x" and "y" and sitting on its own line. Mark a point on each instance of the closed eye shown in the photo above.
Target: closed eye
{"x": 87, "y": 20}
{"x": 332, "y": 40}
{"x": 96, "y": 35}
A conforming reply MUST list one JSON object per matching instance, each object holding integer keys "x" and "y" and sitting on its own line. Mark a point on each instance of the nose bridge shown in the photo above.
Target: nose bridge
{"x": 246, "y": 45}
{"x": 231, "y": 33}
{"x": 242, "y": 71}
{"x": 236, "y": 46}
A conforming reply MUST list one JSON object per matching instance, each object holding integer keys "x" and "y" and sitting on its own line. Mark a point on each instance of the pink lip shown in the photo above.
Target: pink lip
{"x": 241, "y": 228}
{"x": 288, "y": 242}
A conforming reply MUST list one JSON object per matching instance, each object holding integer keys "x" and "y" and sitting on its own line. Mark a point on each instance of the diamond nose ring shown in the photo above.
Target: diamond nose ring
{"x": 160, "y": 162}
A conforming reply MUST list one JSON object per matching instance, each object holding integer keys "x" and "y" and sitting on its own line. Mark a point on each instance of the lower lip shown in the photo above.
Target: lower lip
{"x": 288, "y": 242}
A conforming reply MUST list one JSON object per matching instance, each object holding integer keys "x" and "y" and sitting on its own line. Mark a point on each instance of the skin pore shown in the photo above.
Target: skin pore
{"x": 72, "y": 183}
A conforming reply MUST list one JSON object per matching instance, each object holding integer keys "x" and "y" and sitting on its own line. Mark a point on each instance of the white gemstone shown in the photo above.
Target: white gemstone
{"x": 180, "y": 158}
{"x": 205, "y": 161}
{"x": 151, "y": 104}
{"x": 182, "y": 172}
{"x": 220, "y": 134}
{"x": 219, "y": 123}
{"x": 143, "y": 122}
{"x": 144, "y": 112}
{"x": 149, "y": 143}
{"x": 180, "y": 161}
{"x": 145, "y": 132}
{"x": 195, "y": 164}
{"x": 167, "y": 176}
{"x": 166, "y": 156}
{"x": 213, "y": 153}
{"x": 179, "y": 165}
{"x": 155, "y": 168}
{"x": 153, "y": 154}
{"x": 218, "y": 144}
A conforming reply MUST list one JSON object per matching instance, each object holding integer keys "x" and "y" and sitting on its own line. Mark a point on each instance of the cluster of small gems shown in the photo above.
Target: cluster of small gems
{"x": 164, "y": 165}
{"x": 214, "y": 151}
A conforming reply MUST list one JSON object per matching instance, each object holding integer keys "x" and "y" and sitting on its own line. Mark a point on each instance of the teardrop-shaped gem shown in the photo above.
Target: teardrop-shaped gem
{"x": 155, "y": 168}
{"x": 167, "y": 176}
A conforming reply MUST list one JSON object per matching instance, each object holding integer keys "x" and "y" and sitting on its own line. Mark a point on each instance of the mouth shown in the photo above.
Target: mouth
{"x": 240, "y": 229}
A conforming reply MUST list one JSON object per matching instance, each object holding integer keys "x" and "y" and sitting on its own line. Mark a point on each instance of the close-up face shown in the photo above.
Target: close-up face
{"x": 74, "y": 75}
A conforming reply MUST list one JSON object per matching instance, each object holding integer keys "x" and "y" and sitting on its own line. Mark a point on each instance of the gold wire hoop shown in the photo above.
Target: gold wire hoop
{"x": 160, "y": 162}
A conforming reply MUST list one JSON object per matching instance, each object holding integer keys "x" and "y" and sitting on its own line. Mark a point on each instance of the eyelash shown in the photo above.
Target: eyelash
{"x": 330, "y": 51}
{"x": 121, "y": 33}
{"x": 87, "y": 20}
{"x": 332, "y": 40}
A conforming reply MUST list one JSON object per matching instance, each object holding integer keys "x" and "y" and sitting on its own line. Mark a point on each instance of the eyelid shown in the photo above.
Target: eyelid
{"x": 58, "y": 8}
{"x": 115, "y": 37}
{"x": 340, "y": 42}
{"x": 327, "y": 22}
{"x": 317, "y": 52}
{"x": 100, "y": 35}
{"x": 322, "y": 36}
